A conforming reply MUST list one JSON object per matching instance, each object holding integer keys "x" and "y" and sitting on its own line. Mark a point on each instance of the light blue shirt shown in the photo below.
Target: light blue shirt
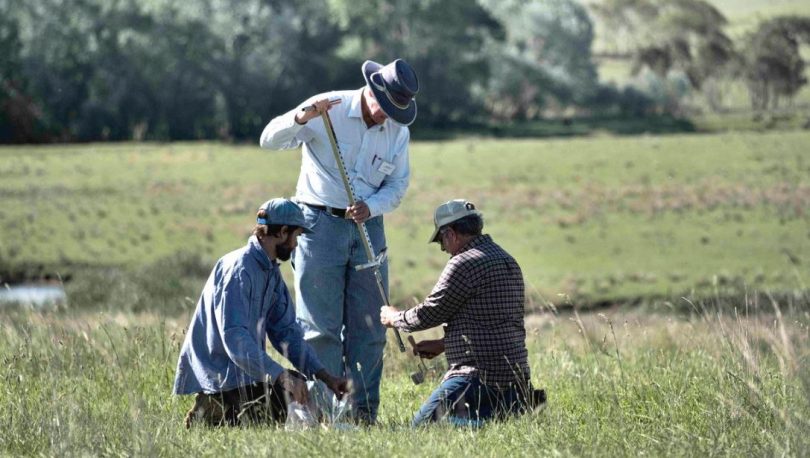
{"x": 376, "y": 158}
{"x": 244, "y": 300}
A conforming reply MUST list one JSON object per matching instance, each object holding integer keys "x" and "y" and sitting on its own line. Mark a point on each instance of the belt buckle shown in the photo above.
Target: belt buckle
{"x": 332, "y": 211}
{"x": 338, "y": 212}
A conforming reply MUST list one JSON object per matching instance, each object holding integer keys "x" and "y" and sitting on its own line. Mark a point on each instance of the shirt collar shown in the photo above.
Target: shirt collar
{"x": 477, "y": 241}
{"x": 255, "y": 249}
{"x": 355, "y": 110}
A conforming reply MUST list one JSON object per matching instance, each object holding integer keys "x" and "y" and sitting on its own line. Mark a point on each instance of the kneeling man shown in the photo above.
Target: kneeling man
{"x": 223, "y": 360}
{"x": 480, "y": 297}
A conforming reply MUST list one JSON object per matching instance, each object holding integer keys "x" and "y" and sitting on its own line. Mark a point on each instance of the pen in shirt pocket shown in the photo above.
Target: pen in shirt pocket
{"x": 374, "y": 159}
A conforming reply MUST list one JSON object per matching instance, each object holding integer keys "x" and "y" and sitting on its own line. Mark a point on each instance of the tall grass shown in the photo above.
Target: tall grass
{"x": 716, "y": 381}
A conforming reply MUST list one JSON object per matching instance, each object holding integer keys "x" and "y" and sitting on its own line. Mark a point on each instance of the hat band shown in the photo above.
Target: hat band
{"x": 382, "y": 88}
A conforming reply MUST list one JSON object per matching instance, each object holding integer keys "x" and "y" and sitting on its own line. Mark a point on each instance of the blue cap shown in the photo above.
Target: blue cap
{"x": 284, "y": 212}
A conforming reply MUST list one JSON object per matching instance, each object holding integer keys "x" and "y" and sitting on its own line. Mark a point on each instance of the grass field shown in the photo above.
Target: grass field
{"x": 619, "y": 383}
{"x": 709, "y": 233}
{"x": 593, "y": 219}
{"x": 717, "y": 218}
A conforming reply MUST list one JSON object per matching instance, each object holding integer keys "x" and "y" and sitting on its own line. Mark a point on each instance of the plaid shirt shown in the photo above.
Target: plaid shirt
{"x": 480, "y": 296}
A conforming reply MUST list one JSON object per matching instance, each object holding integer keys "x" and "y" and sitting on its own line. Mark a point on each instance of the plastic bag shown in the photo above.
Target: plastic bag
{"x": 299, "y": 417}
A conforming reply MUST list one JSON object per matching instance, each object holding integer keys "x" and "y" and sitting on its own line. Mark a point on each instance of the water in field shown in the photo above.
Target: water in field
{"x": 32, "y": 295}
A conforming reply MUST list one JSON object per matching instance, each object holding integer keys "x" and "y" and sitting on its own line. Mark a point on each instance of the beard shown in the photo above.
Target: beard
{"x": 284, "y": 250}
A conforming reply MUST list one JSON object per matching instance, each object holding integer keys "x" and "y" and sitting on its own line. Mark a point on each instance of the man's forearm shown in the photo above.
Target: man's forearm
{"x": 409, "y": 321}
{"x": 280, "y": 132}
{"x": 388, "y": 196}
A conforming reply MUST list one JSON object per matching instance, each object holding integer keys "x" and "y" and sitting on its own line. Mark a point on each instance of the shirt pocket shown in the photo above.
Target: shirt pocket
{"x": 369, "y": 169}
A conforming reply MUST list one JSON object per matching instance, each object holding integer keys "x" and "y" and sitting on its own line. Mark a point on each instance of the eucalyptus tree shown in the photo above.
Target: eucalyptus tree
{"x": 667, "y": 35}
{"x": 545, "y": 60}
{"x": 773, "y": 64}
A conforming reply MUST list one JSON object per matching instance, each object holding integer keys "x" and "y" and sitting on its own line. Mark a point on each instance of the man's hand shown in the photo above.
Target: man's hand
{"x": 294, "y": 387}
{"x": 388, "y": 316}
{"x": 359, "y": 212}
{"x": 339, "y": 385}
{"x": 320, "y": 106}
{"x": 428, "y": 349}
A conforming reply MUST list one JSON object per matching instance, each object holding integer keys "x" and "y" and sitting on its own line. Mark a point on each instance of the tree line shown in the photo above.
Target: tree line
{"x": 688, "y": 36}
{"x": 86, "y": 70}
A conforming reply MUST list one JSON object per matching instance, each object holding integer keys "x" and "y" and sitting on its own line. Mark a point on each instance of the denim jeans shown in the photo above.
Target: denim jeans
{"x": 465, "y": 401}
{"x": 339, "y": 307}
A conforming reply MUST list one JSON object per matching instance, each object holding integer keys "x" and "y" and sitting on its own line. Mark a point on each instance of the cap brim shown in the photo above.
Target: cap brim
{"x": 404, "y": 117}
{"x": 435, "y": 236}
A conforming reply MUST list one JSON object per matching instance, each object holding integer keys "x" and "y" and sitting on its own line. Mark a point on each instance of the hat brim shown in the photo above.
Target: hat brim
{"x": 406, "y": 116}
{"x": 304, "y": 229}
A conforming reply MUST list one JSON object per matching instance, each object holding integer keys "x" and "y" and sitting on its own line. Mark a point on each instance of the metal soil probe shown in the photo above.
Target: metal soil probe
{"x": 374, "y": 262}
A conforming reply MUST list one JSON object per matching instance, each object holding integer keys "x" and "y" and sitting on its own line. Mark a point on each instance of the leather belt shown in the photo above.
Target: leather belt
{"x": 336, "y": 212}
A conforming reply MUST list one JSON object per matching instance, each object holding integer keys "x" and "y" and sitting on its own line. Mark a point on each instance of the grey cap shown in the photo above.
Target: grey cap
{"x": 452, "y": 210}
{"x": 284, "y": 212}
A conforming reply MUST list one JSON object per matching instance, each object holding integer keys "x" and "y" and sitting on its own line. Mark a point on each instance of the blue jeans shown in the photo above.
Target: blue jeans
{"x": 465, "y": 401}
{"x": 339, "y": 307}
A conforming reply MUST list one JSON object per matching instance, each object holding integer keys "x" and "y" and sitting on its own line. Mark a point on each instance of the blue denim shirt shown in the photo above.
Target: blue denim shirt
{"x": 244, "y": 299}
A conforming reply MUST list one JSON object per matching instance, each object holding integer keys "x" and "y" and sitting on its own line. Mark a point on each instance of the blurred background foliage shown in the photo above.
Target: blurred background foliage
{"x": 89, "y": 70}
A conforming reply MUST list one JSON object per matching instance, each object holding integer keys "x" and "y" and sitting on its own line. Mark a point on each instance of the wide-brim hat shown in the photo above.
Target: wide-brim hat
{"x": 394, "y": 86}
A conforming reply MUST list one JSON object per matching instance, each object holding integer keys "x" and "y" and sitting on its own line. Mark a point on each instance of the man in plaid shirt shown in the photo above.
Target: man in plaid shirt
{"x": 480, "y": 297}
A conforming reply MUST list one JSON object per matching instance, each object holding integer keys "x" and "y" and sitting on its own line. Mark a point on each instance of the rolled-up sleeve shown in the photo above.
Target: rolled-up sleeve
{"x": 287, "y": 336}
{"x": 234, "y": 327}
{"x": 447, "y": 298}
{"x": 393, "y": 187}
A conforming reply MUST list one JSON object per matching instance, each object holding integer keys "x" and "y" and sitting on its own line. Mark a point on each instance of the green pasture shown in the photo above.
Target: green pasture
{"x": 589, "y": 219}
{"x": 620, "y": 384}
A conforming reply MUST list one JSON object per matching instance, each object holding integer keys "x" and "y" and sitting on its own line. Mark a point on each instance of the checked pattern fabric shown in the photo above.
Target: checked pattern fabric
{"x": 480, "y": 297}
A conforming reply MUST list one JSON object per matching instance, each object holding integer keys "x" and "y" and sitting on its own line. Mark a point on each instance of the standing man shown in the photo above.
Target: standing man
{"x": 245, "y": 301}
{"x": 480, "y": 297}
{"x": 338, "y": 306}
